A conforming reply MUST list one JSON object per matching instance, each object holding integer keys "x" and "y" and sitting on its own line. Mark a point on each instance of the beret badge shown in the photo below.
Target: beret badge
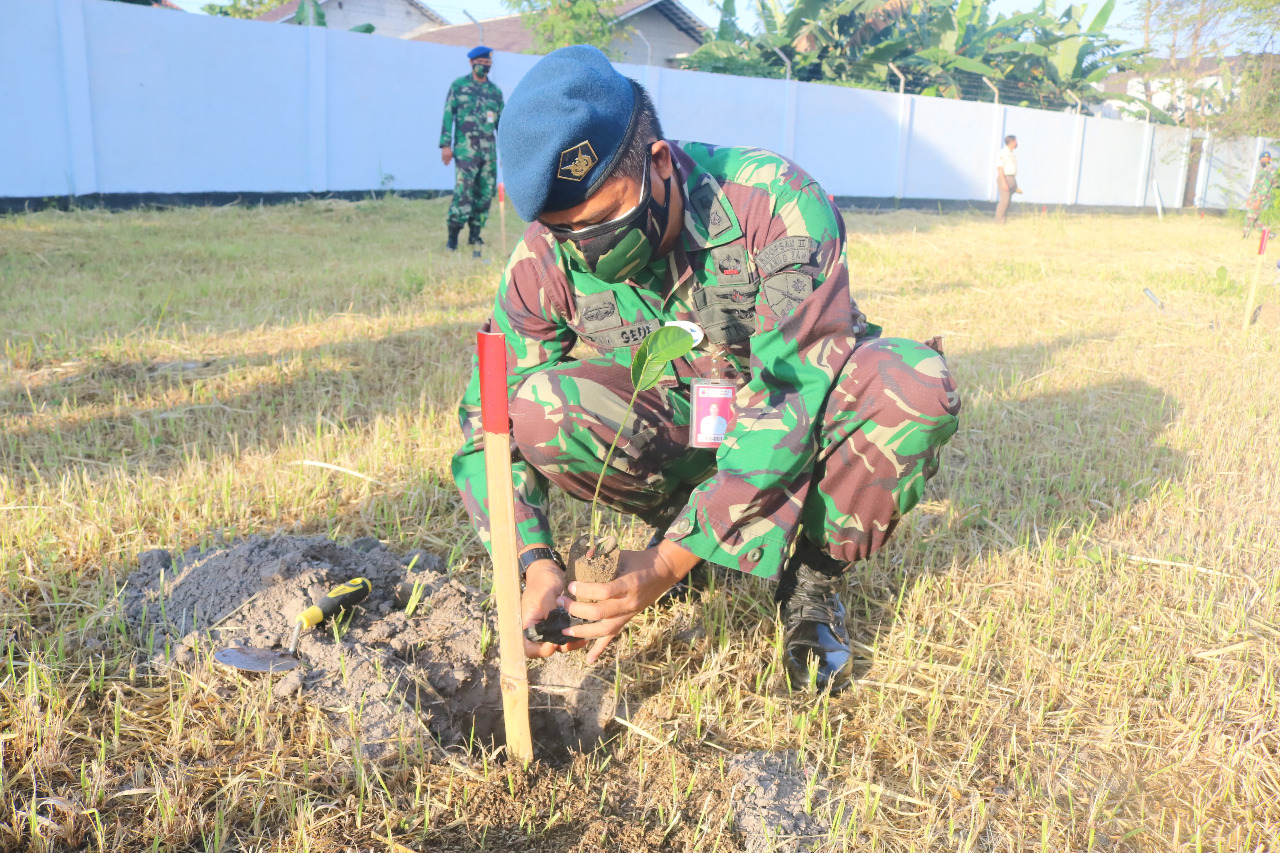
{"x": 575, "y": 162}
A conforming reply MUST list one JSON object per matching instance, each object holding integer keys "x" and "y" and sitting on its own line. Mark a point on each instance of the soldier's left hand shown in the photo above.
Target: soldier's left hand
{"x": 643, "y": 576}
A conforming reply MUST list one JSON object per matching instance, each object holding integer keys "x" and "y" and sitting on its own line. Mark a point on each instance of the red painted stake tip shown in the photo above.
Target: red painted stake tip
{"x": 1262, "y": 244}
{"x": 502, "y": 193}
{"x": 491, "y": 348}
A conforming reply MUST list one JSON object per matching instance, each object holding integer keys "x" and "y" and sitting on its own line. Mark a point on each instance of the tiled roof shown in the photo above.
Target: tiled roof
{"x": 510, "y": 34}
{"x": 286, "y": 11}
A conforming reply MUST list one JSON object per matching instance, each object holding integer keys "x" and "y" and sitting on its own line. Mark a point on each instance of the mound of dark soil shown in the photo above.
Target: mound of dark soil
{"x": 436, "y": 668}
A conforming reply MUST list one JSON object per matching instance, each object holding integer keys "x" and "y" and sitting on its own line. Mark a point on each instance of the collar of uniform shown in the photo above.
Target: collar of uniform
{"x": 709, "y": 219}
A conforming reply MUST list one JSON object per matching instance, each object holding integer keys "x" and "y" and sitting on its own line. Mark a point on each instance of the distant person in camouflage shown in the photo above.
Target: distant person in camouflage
{"x": 1260, "y": 197}
{"x": 471, "y": 115}
{"x": 832, "y": 432}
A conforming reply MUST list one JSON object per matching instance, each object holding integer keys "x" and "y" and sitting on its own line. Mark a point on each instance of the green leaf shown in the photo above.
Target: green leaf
{"x": 652, "y": 356}
{"x": 1104, "y": 15}
{"x": 973, "y": 66}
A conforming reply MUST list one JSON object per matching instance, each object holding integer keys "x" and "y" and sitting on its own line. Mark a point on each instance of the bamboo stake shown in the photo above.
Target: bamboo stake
{"x": 1257, "y": 273}
{"x": 495, "y": 417}
{"x": 502, "y": 219}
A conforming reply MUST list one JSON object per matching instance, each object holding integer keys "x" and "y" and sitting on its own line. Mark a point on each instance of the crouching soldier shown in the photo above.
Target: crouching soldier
{"x": 830, "y": 432}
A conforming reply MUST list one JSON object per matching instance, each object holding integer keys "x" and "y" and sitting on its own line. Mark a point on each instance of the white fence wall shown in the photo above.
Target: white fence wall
{"x": 99, "y": 97}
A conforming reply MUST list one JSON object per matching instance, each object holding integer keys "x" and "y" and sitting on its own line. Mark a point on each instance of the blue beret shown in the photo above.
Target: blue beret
{"x": 562, "y": 129}
{"x": 479, "y": 52}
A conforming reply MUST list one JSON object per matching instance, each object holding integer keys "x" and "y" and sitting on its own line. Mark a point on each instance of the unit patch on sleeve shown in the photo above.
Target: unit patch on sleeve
{"x": 784, "y": 252}
{"x": 731, "y": 264}
{"x": 786, "y": 290}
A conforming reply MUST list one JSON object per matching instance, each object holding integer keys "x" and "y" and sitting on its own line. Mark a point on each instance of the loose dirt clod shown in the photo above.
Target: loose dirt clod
{"x": 769, "y": 807}
{"x": 403, "y": 672}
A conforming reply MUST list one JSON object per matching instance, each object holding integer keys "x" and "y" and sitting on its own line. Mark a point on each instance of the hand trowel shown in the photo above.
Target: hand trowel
{"x": 339, "y": 599}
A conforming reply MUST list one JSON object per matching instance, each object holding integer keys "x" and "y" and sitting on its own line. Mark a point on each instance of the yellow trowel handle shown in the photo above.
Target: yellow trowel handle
{"x": 339, "y": 598}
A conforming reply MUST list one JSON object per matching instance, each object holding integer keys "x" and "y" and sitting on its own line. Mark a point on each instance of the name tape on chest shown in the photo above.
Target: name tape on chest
{"x": 629, "y": 335}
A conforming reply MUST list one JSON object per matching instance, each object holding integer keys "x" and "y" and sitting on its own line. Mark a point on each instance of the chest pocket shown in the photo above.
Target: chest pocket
{"x": 726, "y": 308}
{"x": 600, "y": 322}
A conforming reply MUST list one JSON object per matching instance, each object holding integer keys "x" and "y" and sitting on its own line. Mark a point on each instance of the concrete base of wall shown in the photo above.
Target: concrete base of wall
{"x": 865, "y": 204}
{"x": 862, "y": 204}
{"x": 133, "y": 201}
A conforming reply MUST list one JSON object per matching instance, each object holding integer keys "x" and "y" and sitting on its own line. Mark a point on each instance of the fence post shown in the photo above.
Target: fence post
{"x": 82, "y": 165}
{"x": 317, "y": 110}
{"x": 1077, "y": 161}
{"x": 1144, "y": 168}
{"x": 998, "y": 117}
{"x": 1206, "y": 166}
{"x": 1181, "y": 198}
{"x": 905, "y": 107}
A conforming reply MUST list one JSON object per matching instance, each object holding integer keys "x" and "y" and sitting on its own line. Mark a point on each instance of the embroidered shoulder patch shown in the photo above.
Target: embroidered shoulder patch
{"x": 786, "y": 290}
{"x": 598, "y": 311}
{"x": 730, "y": 264}
{"x": 784, "y": 252}
{"x": 709, "y": 208}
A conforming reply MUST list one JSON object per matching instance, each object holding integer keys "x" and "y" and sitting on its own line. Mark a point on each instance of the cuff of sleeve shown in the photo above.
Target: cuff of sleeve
{"x": 762, "y": 556}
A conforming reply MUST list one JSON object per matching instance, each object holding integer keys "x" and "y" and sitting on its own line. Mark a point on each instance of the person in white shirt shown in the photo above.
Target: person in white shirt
{"x": 713, "y": 424}
{"x": 1006, "y": 176}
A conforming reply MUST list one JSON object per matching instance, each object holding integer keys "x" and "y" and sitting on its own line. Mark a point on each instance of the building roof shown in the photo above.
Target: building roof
{"x": 281, "y": 13}
{"x": 1167, "y": 69}
{"x": 510, "y": 33}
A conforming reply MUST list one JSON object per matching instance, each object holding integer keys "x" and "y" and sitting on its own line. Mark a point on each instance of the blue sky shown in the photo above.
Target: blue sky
{"x": 455, "y": 11}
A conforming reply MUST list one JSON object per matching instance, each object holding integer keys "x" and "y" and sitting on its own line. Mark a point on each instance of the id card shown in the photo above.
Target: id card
{"x": 711, "y": 413}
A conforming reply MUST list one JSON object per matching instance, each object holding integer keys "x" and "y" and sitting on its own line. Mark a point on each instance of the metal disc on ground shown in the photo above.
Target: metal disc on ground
{"x": 250, "y": 659}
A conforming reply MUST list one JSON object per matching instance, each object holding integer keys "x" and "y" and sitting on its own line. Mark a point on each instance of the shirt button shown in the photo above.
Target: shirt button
{"x": 755, "y": 555}
{"x": 682, "y": 527}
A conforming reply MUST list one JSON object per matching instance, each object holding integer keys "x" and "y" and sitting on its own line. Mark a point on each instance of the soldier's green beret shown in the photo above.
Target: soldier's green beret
{"x": 479, "y": 52}
{"x": 562, "y": 129}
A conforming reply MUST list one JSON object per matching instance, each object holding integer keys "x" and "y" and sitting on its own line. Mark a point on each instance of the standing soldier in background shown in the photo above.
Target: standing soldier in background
{"x": 470, "y": 118}
{"x": 1264, "y": 186}
{"x": 1006, "y": 176}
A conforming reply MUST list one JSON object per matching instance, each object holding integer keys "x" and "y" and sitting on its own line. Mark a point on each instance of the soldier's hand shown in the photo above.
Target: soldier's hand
{"x": 446, "y": 155}
{"x": 643, "y": 576}
{"x": 543, "y": 586}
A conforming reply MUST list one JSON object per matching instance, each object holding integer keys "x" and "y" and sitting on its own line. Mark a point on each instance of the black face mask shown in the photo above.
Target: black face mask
{"x": 481, "y": 71}
{"x": 616, "y": 250}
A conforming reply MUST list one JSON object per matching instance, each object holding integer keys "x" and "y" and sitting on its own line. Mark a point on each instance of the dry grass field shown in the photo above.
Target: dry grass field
{"x": 1073, "y": 644}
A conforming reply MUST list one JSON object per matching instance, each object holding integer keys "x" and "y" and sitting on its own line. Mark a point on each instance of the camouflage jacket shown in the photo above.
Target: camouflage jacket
{"x": 761, "y": 267}
{"x": 470, "y": 112}
{"x": 1263, "y": 186}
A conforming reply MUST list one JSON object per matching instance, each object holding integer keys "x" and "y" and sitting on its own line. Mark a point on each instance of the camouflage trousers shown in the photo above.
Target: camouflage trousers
{"x": 475, "y": 181}
{"x": 881, "y": 431}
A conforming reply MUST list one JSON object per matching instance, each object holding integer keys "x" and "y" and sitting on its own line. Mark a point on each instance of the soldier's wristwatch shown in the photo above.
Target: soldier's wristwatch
{"x": 533, "y": 555}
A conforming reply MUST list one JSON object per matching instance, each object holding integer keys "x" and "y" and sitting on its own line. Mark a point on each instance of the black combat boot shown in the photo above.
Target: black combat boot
{"x": 473, "y": 235}
{"x": 813, "y": 622}
{"x": 454, "y": 231}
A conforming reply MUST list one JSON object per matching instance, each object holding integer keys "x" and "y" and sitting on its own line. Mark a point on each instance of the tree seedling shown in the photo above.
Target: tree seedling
{"x": 647, "y": 365}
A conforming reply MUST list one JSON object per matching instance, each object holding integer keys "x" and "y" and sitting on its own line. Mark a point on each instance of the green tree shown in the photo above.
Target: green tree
{"x": 942, "y": 47}
{"x": 559, "y": 23}
{"x": 241, "y": 8}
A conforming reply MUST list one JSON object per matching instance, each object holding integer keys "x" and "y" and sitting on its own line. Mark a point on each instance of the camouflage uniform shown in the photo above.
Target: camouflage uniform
{"x": 1260, "y": 197}
{"x": 470, "y": 117}
{"x": 837, "y": 430}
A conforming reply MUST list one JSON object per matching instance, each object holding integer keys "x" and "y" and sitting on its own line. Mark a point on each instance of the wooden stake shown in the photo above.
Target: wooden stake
{"x": 495, "y": 417}
{"x": 1257, "y": 273}
{"x": 502, "y": 220}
